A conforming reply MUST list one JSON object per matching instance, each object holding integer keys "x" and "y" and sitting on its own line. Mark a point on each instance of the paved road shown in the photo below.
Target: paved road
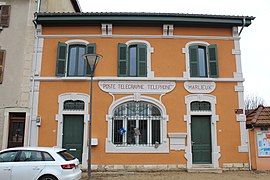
{"x": 228, "y": 175}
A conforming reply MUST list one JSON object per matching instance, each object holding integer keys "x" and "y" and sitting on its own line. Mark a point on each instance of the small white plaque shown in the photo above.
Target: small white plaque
{"x": 200, "y": 87}
{"x": 143, "y": 87}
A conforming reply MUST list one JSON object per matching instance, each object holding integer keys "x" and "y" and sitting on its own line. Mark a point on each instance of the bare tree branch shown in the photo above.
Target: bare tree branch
{"x": 253, "y": 101}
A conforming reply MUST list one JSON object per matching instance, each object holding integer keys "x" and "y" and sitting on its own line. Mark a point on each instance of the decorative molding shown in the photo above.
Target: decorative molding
{"x": 239, "y": 88}
{"x": 168, "y": 30}
{"x": 115, "y": 78}
{"x": 225, "y": 38}
{"x": 236, "y": 51}
{"x": 142, "y": 87}
{"x": 177, "y": 141}
{"x": 200, "y": 87}
{"x": 77, "y": 41}
{"x": 106, "y": 30}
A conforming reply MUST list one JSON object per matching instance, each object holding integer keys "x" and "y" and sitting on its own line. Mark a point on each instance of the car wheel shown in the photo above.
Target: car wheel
{"x": 48, "y": 177}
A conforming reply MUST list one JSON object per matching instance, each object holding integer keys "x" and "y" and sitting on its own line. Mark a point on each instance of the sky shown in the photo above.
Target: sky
{"x": 254, "y": 39}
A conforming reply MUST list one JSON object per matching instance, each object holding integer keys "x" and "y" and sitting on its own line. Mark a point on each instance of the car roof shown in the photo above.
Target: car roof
{"x": 49, "y": 149}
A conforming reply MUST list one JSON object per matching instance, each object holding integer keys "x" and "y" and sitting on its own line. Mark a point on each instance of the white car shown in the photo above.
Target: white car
{"x": 38, "y": 163}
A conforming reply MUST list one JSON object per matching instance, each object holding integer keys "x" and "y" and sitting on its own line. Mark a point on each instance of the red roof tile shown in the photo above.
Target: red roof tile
{"x": 258, "y": 117}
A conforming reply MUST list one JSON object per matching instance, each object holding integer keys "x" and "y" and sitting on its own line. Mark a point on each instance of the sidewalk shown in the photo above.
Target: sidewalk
{"x": 226, "y": 175}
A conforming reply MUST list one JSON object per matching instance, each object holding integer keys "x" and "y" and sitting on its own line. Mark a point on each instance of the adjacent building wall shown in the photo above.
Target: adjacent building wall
{"x": 18, "y": 41}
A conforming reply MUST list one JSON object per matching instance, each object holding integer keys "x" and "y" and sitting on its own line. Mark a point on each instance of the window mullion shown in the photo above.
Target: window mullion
{"x": 77, "y": 60}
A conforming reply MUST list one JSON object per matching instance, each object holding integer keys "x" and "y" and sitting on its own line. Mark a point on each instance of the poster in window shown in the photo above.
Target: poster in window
{"x": 263, "y": 142}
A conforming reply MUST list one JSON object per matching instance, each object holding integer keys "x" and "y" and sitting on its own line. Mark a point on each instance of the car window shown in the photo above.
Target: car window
{"x": 8, "y": 156}
{"x": 30, "y": 156}
{"x": 47, "y": 157}
{"x": 66, "y": 156}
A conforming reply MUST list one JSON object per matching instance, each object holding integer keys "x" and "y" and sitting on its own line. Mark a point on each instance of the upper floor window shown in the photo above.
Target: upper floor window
{"x": 70, "y": 61}
{"x": 132, "y": 60}
{"x": 4, "y": 15}
{"x": 203, "y": 60}
{"x": 2, "y": 61}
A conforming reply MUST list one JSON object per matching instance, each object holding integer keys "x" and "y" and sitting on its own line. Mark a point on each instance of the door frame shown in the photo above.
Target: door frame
{"x": 5, "y": 134}
{"x": 214, "y": 118}
{"x": 60, "y": 117}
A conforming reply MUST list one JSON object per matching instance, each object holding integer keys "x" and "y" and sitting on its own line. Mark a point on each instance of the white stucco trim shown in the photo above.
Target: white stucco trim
{"x": 239, "y": 88}
{"x": 150, "y": 50}
{"x": 225, "y": 38}
{"x": 7, "y": 111}
{"x": 163, "y": 147}
{"x": 77, "y": 41}
{"x": 111, "y": 78}
{"x": 59, "y": 118}
{"x": 214, "y": 118}
{"x": 186, "y": 74}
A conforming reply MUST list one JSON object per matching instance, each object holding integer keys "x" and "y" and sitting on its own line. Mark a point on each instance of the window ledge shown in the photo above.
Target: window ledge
{"x": 111, "y": 148}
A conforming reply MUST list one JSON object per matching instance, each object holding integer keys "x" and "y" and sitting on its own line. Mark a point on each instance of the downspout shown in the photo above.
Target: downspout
{"x": 32, "y": 79}
{"x": 243, "y": 25}
{"x": 249, "y": 153}
{"x": 38, "y": 5}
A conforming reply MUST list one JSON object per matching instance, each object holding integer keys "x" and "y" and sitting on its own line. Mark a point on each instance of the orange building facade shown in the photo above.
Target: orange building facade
{"x": 167, "y": 94}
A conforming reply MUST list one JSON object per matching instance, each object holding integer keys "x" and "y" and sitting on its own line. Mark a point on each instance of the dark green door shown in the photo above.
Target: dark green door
{"x": 73, "y": 135}
{"x": 201, "y": 139}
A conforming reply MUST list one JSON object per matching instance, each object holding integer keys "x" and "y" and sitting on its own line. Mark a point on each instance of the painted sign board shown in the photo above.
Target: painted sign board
{"x": 263, "y": 143}
{"x": 143, "y": 87}
{"x": 200, "y": 87}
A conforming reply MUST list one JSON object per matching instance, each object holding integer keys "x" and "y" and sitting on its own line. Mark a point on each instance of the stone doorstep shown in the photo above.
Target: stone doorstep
{"x": 204, "y": 170}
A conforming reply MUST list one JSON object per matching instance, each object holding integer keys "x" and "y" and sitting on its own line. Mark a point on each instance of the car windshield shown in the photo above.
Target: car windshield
{"x": 65, "y": 155}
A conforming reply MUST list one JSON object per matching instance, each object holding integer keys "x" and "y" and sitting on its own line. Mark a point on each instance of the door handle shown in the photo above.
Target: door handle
{"x": 36, "y": 168}
{"x": 7, "y": 169}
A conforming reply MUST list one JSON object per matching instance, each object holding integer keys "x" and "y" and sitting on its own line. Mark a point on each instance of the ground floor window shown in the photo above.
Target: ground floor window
{"x": 136, "y": 123}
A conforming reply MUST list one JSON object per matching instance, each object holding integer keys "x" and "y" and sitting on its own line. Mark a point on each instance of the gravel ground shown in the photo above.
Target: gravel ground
{"x": 228, "y": 175}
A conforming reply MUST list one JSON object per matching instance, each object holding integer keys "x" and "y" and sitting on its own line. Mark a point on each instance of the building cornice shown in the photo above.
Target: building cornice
{"x": 141, "y": 19}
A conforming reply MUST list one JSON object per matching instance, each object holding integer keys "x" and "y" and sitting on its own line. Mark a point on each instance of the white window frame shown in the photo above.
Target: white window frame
{"x": 137, "y": 119}
{"x": 150, "y": 50}
{"x": 164, "y": 144}
{"x": 186, "y": 74}
{"x": 69, "y": 43}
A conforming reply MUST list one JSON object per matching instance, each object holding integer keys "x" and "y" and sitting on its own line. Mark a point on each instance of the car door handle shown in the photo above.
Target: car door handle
{"x": 7, "y": 169}
{"x": 36, "y": 168}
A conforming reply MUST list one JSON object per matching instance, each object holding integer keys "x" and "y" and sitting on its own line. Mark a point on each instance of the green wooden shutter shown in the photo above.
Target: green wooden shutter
{"x": 90, "y": 49}
{"x": 213, "y": 60}
{"x": 122, "y": 60}
{"x": 2, "y": 61}
{"x": 193, "y": 61}
{"x": 5, "y": 15}
{"x": 142, "y": 60}
{"x": 61, "y": 59}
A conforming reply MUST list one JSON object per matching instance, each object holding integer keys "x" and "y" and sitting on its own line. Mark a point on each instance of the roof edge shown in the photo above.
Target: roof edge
{"x": 124, "y": 18}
